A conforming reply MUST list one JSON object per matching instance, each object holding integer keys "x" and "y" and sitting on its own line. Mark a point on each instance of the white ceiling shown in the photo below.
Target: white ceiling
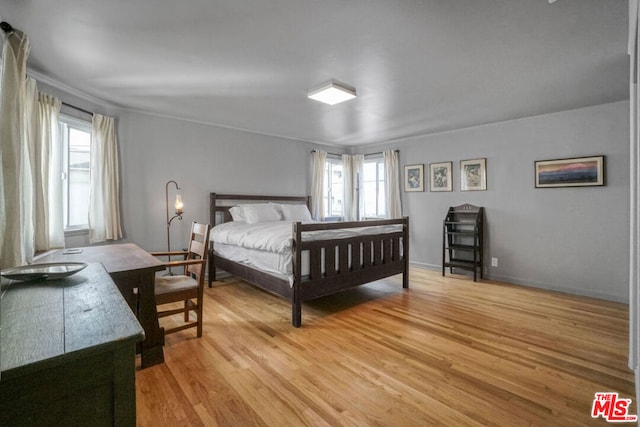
{"x": 419, "y": 66}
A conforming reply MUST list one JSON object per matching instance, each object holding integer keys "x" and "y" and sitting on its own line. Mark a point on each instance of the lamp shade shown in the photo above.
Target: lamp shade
{"x": 179, "y": 206}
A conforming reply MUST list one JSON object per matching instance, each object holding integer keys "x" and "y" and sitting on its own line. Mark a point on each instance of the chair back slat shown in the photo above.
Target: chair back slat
{"x": 198, "y": 244}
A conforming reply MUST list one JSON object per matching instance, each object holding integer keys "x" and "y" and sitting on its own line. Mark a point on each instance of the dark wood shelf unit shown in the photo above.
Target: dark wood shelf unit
{"x": 463, "y": 239}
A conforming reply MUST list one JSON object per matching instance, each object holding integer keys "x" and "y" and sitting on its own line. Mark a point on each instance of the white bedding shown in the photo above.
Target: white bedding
{"x": 276, "y": 236}
{"x": 267, "y": 245}
{"x": 270, "y": 262}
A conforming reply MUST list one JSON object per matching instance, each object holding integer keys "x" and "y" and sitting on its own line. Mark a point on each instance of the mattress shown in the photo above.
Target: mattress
{"x": 279, "y": 264}
{"x": 267, "y": 245}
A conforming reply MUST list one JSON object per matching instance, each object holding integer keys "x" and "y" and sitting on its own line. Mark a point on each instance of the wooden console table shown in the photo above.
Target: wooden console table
{"x": 133, "y": 270}
{"x": 67, "y": 352}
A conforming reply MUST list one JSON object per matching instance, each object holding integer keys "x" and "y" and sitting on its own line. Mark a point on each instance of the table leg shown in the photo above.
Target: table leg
{"x": 143, "y": 303}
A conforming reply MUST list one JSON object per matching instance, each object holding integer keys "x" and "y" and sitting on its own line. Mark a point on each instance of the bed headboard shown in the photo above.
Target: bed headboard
{"x": 219, "y": 210}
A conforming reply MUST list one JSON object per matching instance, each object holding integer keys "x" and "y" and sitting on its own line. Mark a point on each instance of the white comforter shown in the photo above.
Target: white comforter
{"x": 276, "y": 236}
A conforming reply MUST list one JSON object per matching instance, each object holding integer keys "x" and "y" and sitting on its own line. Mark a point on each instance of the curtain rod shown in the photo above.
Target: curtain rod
{"x": 6, "y": 27}
{"x": 368, "y": 154}
{"x": 78, "y": 108}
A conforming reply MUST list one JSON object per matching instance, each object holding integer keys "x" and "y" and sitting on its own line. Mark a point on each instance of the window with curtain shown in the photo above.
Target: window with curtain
{"x": 333, "y": 189}
{"x": 37, "y": 149}
{"x": 76, "y": 149}
{"x": 373, "y": 193}
{"x": 371, "y": 186}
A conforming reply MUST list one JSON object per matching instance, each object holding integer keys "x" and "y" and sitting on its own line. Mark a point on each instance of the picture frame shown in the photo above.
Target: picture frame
{"x": 570, "y": 172}
{"x": 473, "y": 175}
{"x": 440, "y": 176}
{"x": 414, "y": 177}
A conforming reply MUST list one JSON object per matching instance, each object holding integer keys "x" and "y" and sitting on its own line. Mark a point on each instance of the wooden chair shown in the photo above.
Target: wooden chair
{"x": 187, "y": 287}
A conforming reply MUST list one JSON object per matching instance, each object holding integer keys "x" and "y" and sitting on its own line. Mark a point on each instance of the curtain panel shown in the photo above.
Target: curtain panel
{"x": 12, "y": 149}
{"x": 48, "y": 159}
{"x": 317, "y": 185}
{"x": 392, "y": 184}
{"x": 29, "y": 167}
{"x": 104, "y": 193}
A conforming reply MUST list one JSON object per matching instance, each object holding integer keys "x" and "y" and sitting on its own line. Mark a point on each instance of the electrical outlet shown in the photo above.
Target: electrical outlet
{"x": 494, "y": 262}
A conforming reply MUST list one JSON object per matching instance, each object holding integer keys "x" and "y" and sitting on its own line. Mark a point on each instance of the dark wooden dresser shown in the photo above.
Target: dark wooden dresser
{"x": 67, "y": 352}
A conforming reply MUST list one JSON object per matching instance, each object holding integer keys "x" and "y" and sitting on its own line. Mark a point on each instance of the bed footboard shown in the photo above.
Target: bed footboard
{"x": 339, "y": 264}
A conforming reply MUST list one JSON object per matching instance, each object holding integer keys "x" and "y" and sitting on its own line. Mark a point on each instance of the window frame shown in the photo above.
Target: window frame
{"x": 380, "y": 178}
{"x": 65, "y": 123}
{"x": 328, "y": 191}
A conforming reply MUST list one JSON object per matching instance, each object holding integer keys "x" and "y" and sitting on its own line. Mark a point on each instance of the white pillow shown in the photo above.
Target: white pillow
{"x": 277, "y": 207}
{"x": 237, "y": 213}
{"x": 296, "y": 213}
{"x": 260, "y": 213}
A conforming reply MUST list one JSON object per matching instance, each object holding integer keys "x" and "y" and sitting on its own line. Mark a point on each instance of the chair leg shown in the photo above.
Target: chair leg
{"x": 186, "y": 310}
{"x": 199, "y": 319}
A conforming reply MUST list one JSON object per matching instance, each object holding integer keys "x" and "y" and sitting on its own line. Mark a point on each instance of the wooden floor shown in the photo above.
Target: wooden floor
{"x": 447, "y": 351}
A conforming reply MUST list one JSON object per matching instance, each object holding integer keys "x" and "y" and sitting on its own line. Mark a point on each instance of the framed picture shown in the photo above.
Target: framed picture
{"x": 414, "y": 178}
{"x": 440, "y": 176}
{"x": 473, "y": 175}
{"x": 573, "y": 172}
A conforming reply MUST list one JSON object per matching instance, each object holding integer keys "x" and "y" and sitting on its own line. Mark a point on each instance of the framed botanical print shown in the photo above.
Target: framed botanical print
{"x": 414, "y": 178}
{"x": 440, "y": 176}
{"x": 473, "y": 175}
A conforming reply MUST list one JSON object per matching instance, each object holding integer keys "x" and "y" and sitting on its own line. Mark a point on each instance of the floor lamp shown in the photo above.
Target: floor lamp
{"x": 178, "y": 206}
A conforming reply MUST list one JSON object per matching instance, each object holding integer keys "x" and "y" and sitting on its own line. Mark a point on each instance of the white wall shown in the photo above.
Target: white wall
{"x": 201, "y": 159}
{"x": 569, "y": 239}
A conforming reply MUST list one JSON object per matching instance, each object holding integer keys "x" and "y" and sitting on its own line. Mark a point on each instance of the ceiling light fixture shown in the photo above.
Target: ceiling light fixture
{"x": 332, "y": 93}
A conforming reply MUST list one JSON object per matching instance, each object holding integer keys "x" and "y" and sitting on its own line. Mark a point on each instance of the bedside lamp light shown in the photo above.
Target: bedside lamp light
{"x": 179, "y": 209}
{"x": 178, "y": 205}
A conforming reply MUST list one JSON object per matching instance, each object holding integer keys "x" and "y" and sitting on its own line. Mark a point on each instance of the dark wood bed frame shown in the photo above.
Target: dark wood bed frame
{"x": 367, "y": 257}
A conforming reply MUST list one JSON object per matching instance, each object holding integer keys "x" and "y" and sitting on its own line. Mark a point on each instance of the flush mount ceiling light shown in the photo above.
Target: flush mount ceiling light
{"x": 332, "y": 93}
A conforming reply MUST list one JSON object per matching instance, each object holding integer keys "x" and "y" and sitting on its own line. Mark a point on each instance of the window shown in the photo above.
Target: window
{"x": 333, "y": 188}
{"x": 373, "y": 188}
{"x": 76, "y": 167}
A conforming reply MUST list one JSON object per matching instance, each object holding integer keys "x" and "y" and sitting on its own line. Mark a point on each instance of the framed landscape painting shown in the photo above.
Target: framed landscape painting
{"x": 473, "y": 175}
{"x": 414, "y": 178}
{"x": 573, "y": 172}
{"x": 440, "y": 176}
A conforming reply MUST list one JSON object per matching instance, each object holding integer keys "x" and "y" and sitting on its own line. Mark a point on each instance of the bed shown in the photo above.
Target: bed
{"x": 320, "y": 258}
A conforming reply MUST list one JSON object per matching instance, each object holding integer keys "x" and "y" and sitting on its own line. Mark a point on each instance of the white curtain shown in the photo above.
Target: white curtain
{"x": 352, "y": 166}
{"x": 392, "y": 184}
{"x": 47, "y": 159}
{"x": 12, "y": 149}
{"x": 29, "y": 171}
{"x": 634, "y": 155}
{"x": 317, "y": 185}
{"x": 104, "y": 194}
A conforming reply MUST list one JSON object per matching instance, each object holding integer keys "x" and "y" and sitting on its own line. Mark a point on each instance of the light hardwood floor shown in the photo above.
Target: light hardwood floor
{"x": 447, "y": 351}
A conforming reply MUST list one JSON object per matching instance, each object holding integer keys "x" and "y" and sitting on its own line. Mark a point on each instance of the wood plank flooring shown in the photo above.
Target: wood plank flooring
{"x": 447, "y": 352}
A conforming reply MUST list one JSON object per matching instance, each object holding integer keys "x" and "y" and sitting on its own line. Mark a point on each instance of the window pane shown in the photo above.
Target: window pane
{"x": 337, "y": 190}
{"x": 333, "y": 190}
{"x": 78, "y": 173}
{"x": 382, "y": 211}
{"x": 373, "y": 188}
{"x": 369, "y": 193}
{"x": 326, "y": 188}
{"x": 369, "y": 172}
